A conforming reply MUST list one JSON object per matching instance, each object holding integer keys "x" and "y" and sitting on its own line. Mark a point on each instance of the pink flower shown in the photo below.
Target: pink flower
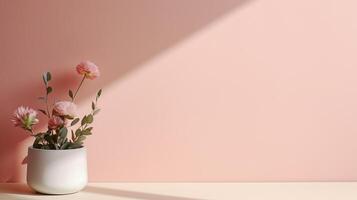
{"x": 88, "y": 69}
{"x": 25, "y": 117}
{"x": 56, "y": 122}
{"x": 65, "y": 109}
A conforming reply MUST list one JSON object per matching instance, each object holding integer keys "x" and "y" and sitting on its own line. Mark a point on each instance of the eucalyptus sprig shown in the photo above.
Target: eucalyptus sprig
{"x": 80, "y": 134}
{"x": 46, "y": 77}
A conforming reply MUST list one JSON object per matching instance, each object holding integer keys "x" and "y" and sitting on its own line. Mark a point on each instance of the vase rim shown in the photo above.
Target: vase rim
{"x": 76, "y": 149}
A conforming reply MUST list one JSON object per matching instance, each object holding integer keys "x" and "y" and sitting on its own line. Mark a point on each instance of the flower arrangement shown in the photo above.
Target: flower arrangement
{"x": 62, "y": 115}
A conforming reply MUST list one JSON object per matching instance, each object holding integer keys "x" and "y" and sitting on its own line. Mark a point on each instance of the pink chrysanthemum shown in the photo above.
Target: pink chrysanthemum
{"x": 55, "y": 122}
{"x": 25, "y": 117}
{"x": 88, "y": 69}
{"x": 65, "y": 109}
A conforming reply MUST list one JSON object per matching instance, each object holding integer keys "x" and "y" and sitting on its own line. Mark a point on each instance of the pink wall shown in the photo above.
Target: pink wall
{"x": 204, "y": 90}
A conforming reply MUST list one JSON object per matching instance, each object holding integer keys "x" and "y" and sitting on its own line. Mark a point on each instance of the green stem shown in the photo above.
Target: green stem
{"x": 46, "y": 101}
{"x": 80, "y": 84}
{"x": 48, "y": 111}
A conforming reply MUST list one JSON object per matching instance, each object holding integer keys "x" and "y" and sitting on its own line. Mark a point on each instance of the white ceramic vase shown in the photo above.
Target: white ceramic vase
{"x": 57, "y": 171}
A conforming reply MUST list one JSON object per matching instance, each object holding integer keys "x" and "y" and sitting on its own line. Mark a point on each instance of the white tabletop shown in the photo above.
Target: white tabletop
{"x": 194, "y": 191}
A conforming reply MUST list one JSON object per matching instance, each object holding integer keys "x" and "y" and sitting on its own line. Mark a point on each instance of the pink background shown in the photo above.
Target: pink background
{"x": 203, "y": 90}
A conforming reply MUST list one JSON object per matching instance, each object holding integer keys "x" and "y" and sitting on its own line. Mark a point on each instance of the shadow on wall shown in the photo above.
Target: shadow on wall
{"x": 118, "y": 36}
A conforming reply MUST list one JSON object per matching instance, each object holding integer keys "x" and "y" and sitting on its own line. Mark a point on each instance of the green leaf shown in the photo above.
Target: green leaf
{"x": 63, "y": 132}
{"x": 65, "y": 145}
{"x": 55, "y": 138}
{"x": 73, "y": 136}
{"x": 70, "y": 94}
{"x": 48, "y": 76}
{"x": 87, "y": 131}
{"x": 98, "y": 94}
{"x": 44, "y": 78}
{"x": 93, "y": 105}
{"x": 75, "y": 121}
{"x": 37, "y": 140}
{"x": 49, "y": 89}
{"x": 84, "y": 120}
{"x": 78, "y": 132}
{"x": 37, "y": 146}
{"x": 96, "y": 112}
{"x": 80, "y": 139}
{"x": 75, "y": 145}
{"x": 36, "y": 143}
{"x": 48, "y": 138}
{"x": 87, "y": 119}
{"x": 90, "y": 119}
{"x": 42, "y": 111}
{"x": 62, "y": 135}
{"x": 51, "y": 143}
